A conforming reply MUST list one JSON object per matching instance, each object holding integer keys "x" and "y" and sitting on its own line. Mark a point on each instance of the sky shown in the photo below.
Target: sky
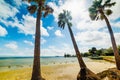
{"x": 17, "y": 28}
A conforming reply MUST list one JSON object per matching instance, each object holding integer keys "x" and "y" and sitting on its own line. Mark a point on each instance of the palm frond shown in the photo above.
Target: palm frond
{"x": 61, "y": 16}
{"x": 96, "y": 3}
{"x": 92, "y": 10}
{"x": 47, "y": 9}
{"x": 27, "y": 1}
{"x": 64, "y": 18}
{"x": 69, "y": 17}
{"x": 93, "y": 13}
{"x": 31, "y": 0}
{"x": 108, "y": 12}
{"x": 107, "y": 1}
{"x": 70, "y": 24}
{"x": 110, "y": 4}
{"x": 97, "y": 9}
{"x": 61, "y": 24}
{"x": 45, "y": 14}
{"x": 100, "y": 1}
{"x": 36, "y": 1}
{"x": 32, "y": 9}
{"x": 93, "y": 16}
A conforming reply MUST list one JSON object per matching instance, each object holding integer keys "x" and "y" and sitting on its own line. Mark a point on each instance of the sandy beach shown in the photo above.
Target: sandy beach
{"x": 64, "y": 71}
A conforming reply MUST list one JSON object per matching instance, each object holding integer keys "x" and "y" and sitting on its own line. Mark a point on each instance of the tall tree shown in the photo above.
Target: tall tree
{"x": 65, "y": 18}
{"x": 99, "y": 10}
{"x": 40, "y": 9}
{"x": 93, "y": 50}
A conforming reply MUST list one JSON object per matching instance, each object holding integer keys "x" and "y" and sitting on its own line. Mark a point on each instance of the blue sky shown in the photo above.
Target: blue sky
{"x": 17, "y": 28}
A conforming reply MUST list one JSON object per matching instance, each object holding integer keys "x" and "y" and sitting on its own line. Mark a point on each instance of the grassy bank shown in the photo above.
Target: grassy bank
{"x": 109, "y": 58}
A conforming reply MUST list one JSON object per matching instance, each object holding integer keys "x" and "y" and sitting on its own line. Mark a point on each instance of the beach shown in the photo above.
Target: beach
{"x": 57, "y": 70}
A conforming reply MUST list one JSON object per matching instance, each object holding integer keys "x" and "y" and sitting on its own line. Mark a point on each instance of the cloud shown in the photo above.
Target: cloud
{"x": 50, "y": 28}
{"x": 116, "y": 24}
{"x": 6, "y": 10}
{"x": 26, "y": 25}
{"x": 28, "y": 42}
{"x": 97, "y": 39}
{"x": 57, "y": 51}
{"x": 94, "y": 38}
{"x": 88, "y": 33}
{"x": 80, "y": 14}
{"x": 12, "y": 45}
{"x": 115, "y": 9}
{"x": 17, "y": 52}
{"x": 43, "y": 41}
{"x": 58, "y": 33}
{"x": 3, "y": 31}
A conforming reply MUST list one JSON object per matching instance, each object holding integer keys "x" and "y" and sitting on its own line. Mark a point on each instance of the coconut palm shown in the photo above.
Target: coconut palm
{"x": 99, "y": 10}
{"x": 40, "y": 9}
{"x": 65, "y": 18}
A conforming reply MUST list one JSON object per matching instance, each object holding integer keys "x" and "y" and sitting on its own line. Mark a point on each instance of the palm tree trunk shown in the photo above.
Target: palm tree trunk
{"x": 115, "y": 50}
{"x": 79, "y": 57}
{"x": 36, "y": 73}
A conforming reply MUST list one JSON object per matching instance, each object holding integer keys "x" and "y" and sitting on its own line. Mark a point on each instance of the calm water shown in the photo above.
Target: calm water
{"x": 12, "y": 63}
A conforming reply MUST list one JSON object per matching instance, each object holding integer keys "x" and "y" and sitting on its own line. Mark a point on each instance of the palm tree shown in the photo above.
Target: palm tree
{"x": 99, "y": 11}
{"x": 65, "y": 18}
{"x": 39, "y": 7}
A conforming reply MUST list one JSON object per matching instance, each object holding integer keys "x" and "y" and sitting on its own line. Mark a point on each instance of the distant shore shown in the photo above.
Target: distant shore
{"x": 64, "y": 71}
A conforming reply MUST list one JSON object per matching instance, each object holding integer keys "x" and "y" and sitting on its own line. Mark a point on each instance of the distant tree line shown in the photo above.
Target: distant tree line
{"x": 69, "y": 55}
{"x": 93, "y": 50}
{"x": 100, "y": 52}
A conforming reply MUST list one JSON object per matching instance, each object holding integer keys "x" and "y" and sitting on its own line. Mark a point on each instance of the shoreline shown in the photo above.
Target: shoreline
{"x": 64, "y": 71}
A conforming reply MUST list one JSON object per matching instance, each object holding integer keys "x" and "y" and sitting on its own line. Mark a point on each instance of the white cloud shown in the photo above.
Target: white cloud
{"x": 44, "y": 31}
{"x": 116, "y": 24}
{"x": 3, "y": 31}
{"x": 7, "y": 10}
{"x": 87, "y": 31}
{"x": 12, "y": 45}
{"x": 50, "y": 28}
{"x": 26, "y": 26}
{"x": 117, "y": 37}
{"x": 58, "y": 33}
{"x": 28, "y": 42}
{"x": 98, "y": 39}
{"x": 43, "y": 41}
{"x": 57, "y": 51}
{"x": 115, "y": 9}
{"x": 80, "y": 14}
{"x": 94, "y": 38}
{"x": 18, "y": 3}
{"x": 17, "y": 52}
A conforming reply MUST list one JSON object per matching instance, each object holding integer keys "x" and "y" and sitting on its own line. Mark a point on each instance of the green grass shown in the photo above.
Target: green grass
{"x": 109, "y": 58}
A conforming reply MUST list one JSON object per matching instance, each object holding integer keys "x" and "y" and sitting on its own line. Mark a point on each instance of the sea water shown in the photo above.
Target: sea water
{"x": 11, "y": 63}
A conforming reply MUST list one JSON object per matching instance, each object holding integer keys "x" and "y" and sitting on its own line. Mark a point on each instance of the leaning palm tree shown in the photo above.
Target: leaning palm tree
{"x": 99, "y": 11}
{"x": 65, "y": 18}
{"x": 39, "y": 7}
